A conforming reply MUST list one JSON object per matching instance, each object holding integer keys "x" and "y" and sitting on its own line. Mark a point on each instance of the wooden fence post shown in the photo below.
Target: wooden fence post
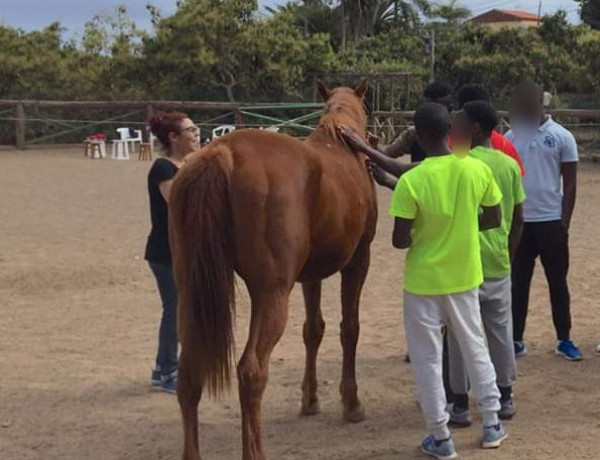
{"x": 20, "y": 127}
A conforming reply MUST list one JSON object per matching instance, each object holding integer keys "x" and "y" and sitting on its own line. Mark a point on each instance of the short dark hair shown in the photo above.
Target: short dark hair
{"x": 437, "y": 90}
{"x": 483, "y": 113}
{"x": 472, "y": 92}
{"x": 432, "y": 121}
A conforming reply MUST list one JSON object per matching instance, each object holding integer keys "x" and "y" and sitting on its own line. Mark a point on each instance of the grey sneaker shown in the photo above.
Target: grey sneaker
{"x": 459, "y": 417}
{"x": 442, "y": 450}
{"x": 169, "y": 383}
{"x": 493, "y": 436}
{"x": 508, "y": 409}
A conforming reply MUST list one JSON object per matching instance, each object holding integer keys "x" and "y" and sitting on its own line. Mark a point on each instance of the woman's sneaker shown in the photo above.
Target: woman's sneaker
{"x": 168, "y": 383}
{"x": 442, "y": 450}
{"x": 155, "y": 378}
{"x": 493, "y": 436}
{"x": 568, "y": 349}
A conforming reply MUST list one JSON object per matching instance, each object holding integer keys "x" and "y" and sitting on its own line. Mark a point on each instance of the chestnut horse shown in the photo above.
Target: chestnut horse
{"x": 275, "y": 210}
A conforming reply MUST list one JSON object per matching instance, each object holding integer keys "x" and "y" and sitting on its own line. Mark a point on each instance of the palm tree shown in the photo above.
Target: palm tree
{"x": 452, "y": 13}
{"x": 366, "y": 17}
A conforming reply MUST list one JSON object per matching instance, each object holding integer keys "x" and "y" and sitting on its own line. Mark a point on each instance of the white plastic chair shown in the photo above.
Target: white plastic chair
{"x": 120, "y": 149}
{"x": 222, "y": 130}
{"x": 125, "y": 135}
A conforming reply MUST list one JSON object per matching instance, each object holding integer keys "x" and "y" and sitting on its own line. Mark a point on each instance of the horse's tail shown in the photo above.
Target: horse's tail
{"x": 201, "y": 228}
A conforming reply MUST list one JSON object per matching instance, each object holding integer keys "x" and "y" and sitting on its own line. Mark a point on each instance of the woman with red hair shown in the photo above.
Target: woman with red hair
{"x": 178, "y": 136}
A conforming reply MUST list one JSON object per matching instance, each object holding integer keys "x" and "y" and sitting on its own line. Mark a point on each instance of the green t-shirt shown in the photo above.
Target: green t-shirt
{"x": 495, "y": 255}
{"x": 443, "y": 196}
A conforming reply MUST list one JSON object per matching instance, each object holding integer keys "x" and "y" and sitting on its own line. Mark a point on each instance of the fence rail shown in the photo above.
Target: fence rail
{"x": 585, "y": 123}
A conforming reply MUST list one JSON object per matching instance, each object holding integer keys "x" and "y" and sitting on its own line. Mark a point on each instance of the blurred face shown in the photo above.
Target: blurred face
{"x": 461, "y": 134}
{"x": 525, "y": 114}
{"x": 186, "y": 139}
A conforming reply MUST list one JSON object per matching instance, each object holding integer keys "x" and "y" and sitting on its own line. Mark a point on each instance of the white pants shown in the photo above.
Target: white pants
{"x": 424, "y": 317}
{"x": 496, "y": 313}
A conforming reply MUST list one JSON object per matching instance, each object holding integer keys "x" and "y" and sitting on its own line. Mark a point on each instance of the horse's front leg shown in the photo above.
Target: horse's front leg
{"x": 353, "y": 278}
{"x": 314, "y": 328}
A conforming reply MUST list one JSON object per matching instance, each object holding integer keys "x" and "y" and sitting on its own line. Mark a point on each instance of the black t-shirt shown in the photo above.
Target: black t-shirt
{"x": 157, "y": 247}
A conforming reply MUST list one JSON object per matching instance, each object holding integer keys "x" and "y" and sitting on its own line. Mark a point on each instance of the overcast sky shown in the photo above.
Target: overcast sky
{"x": 35, "y": 14}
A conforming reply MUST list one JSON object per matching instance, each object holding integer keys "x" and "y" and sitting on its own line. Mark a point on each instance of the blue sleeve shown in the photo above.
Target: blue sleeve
{"x": 510, "y": 136}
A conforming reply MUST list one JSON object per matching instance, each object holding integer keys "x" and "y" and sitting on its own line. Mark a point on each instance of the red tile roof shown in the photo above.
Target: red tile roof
{"x": 522, "y": 15}
{"x": 505, "y": 16}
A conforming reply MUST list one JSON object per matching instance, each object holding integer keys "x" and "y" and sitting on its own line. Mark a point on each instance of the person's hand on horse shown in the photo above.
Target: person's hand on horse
{"x": 373, "y": 140}
{"x": 352, "y": 138}
{"x": 378, "y": 174}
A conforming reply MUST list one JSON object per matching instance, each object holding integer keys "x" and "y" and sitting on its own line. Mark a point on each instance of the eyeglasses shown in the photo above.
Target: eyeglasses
{"x": 190, "y": 129}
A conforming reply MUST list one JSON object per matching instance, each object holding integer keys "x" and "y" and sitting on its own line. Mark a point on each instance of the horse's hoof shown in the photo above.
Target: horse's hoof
{"x": 355, "y": 415}
{"x": 310, "y": 409}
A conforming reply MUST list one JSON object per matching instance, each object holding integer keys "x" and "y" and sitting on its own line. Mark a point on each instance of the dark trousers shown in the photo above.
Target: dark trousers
{"x": 550, "y": 241}
{"x": 166, "y": 357}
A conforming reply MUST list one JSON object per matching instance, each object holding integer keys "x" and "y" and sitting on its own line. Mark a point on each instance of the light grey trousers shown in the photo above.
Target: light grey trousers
{"x": 424, "y": 317}
{"x": 496, "y": 313}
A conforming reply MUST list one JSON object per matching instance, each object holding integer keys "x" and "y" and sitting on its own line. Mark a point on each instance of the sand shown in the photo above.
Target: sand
{"x": 78, "y": 329}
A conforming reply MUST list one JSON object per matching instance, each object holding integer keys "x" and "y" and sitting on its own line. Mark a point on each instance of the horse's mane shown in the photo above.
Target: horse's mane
{"x": 342, "y": 108}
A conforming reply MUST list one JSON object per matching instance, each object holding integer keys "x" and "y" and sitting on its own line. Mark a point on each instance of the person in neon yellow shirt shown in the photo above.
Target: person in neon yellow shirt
{"x": 436, "y": 216}
{"x": 471, "y": 131}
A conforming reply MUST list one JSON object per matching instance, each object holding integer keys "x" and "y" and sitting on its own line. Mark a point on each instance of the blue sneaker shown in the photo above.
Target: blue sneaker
{"x": 520, "y": 348}
{"x": 493, "y": 436}
{"x": 442, "y": 450}
{"x": 155, "y": 378}
{"x": 568, "y": 349}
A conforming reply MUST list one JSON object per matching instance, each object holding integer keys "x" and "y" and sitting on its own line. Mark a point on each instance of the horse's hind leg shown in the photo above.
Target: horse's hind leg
{"x": 314, "y": 328}
{"x": 269, "y": 316}
{"x": 353, "y": 278}
{"x": 189, "y": 391}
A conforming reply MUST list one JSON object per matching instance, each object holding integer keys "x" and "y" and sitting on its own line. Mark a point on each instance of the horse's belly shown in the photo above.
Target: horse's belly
{"x": 322, "y": 264}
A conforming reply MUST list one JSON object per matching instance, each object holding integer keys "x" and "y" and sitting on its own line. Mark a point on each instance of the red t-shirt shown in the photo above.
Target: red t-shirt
{"x": 499, "y": 142}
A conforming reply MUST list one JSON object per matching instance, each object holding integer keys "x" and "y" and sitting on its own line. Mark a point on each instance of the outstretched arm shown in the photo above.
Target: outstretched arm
{"x": 389, "y": 165}
{"x": 381, "y": 177}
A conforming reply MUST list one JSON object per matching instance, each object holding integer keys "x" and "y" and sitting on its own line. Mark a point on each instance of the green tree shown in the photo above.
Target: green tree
{"x": 590, "y": 13}
{"x": 223, "y": 45}
{"x": 366, "y": 17}
{"x": 451, "y": 13}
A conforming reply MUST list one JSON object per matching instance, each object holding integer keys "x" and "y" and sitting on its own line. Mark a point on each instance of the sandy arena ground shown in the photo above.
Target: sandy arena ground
{"x": 78, "y": 326}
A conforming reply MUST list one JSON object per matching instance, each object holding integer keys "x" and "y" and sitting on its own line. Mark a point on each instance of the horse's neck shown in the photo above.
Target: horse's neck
{"x": 327, "y": 133}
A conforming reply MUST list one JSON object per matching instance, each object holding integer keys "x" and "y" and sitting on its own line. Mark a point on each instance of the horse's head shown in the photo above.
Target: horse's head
{"x": 343, "y": 106}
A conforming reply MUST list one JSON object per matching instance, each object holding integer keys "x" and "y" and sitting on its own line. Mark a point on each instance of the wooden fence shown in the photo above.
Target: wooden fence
{"x": 585, "y": 124}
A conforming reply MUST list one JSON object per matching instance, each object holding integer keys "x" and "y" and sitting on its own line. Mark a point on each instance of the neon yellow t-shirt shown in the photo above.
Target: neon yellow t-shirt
{"x": 495, "y": 255}
{"x": 443, "y": 196}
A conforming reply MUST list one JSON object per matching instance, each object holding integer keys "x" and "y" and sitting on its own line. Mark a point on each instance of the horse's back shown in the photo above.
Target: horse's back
{"x": 296, "y": 204}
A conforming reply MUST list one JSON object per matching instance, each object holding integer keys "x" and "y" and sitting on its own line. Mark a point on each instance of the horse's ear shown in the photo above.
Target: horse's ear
{"x": 361, "y": 89}
{"x": 323, "y": 90}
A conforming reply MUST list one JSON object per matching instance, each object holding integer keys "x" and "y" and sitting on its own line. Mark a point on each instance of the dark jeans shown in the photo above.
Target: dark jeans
{"x": 550, "y": 241}
{"x": 166, "y": 358}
